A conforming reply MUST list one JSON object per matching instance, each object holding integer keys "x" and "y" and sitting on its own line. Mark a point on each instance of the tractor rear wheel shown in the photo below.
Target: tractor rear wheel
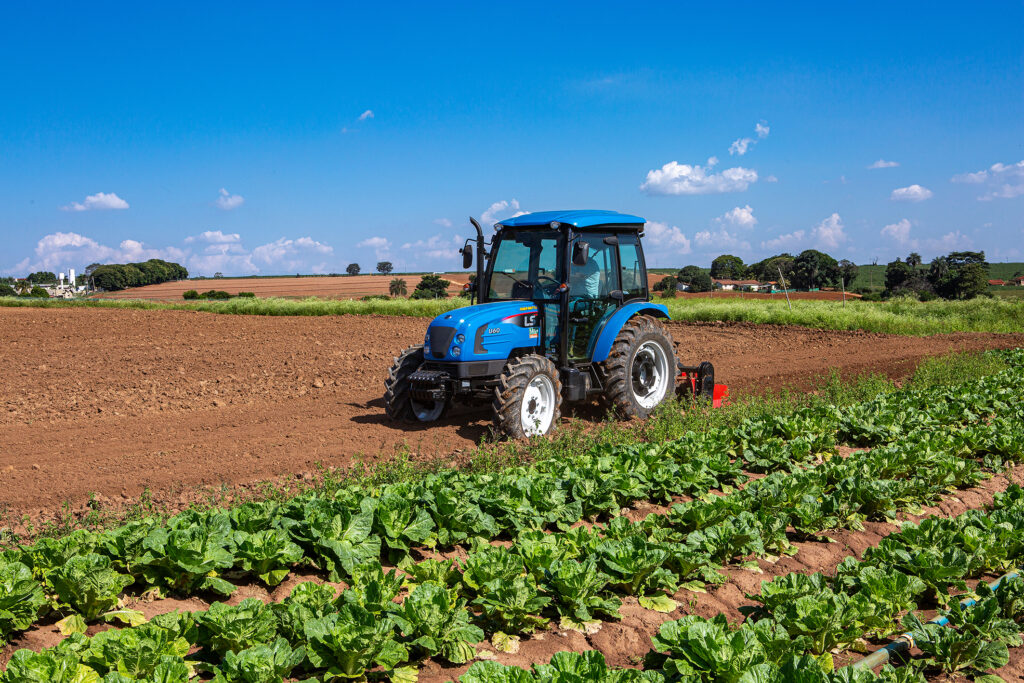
{"x": 398, "y": 404}
{"x": 640, "y": 371}
{"x": 528, "y": 398}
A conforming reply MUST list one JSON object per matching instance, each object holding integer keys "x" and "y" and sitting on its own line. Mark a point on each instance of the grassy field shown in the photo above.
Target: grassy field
{"x": 902, "y": 316}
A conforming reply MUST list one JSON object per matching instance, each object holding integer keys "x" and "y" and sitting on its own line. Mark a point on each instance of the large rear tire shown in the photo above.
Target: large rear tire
{"x": 640, "y": 371}
{"x": 528, "y": 398}
{"x": 398, "y": 404}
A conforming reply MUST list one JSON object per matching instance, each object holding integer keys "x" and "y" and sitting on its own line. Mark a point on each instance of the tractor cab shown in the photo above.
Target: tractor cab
{"x": 560, "y": 310}
{"x": 577, "y": 271}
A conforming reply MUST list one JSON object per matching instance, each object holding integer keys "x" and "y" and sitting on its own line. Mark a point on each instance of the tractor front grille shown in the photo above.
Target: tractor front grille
{"x": 440, "y": 340}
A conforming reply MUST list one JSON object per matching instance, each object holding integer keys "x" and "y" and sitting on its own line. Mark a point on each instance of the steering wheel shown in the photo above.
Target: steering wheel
{"x": 555, "y": 284}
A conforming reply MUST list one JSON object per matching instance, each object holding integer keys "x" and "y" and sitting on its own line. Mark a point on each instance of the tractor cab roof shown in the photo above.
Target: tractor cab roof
{"x": 587, "y": 218}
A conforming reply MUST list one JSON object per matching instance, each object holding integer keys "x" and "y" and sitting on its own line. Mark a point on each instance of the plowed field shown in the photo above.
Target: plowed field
{"x": 115, "y": 401}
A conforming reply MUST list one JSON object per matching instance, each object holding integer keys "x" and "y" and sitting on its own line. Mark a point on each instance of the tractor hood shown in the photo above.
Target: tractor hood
{"x": 488, "y": 331}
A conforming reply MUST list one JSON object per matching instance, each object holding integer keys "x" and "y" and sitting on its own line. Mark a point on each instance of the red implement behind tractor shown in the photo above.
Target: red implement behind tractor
{"x": 699, "y": 382}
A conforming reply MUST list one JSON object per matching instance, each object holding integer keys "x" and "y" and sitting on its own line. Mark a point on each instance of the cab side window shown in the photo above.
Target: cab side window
{"x": 634, "y": 284}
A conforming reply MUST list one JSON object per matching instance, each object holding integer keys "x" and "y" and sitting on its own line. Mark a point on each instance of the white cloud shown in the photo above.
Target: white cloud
{"x": 380, "y": 245}
{"x": 664, "y": 236}
{"x": 913, "y": 193}
{"x": 499, "y": 211}
{"x": 829, "y": 233}
{"x": 1005, "y": 181}
{"x": 228, "y": 201}
{"x": 368, "y": 114}
{"x": 203, "y": 254}
{"x": 443, "y": 222}
{"x": 951, "y": 241}
{"x": 720, "y": 239}
{"x": 289, "y": 254}
{"x": 882, "y": 163}
{"x": 771, "y": 179}
{"x": 712, "y": 161}
{"x": 61, "y": 250}
{"x": 899, "y": 232}
{"x": 741, "y": 217}
{"x": 436, "y": 247}
{"x": 101, "y": 201}
{"x": 675, "y": 179}
{"x": 740, "y": 146}
{"x": 214, "y": 237}
{"x": 784, "y": 242}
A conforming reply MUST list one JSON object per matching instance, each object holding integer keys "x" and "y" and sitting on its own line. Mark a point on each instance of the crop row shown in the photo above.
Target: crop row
{"x": 84, "y": 574}
{"x": 573, "y": 571}
{"x": 802, "y": 619}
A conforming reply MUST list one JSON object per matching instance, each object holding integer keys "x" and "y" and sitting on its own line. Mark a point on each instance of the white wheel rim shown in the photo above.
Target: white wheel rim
{"x": 537, "y": 408}
{"x": 427, "y": 412}
{"x": 650, "y": 374}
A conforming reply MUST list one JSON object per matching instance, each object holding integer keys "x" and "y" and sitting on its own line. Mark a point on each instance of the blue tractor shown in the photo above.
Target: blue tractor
{"x": 562, "y": 312}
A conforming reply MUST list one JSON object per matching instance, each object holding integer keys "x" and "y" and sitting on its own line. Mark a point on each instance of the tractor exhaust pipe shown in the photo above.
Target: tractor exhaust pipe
{"x": 480, "y": 254}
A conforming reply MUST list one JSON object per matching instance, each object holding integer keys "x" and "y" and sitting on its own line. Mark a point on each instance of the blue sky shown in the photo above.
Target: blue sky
{"x": 260, "y": 138}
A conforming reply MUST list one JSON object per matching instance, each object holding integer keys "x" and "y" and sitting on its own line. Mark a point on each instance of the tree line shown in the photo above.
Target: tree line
{"x": 116, "y": 276}
{"x": 958, "y": 275}
{"x": 810, "y": 269}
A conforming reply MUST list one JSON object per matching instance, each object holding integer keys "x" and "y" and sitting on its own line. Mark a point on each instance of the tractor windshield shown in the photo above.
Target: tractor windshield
{"x": 526, "y": 265}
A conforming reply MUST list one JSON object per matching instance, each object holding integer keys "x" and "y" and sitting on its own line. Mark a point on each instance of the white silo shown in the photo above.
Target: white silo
{"x": 71, "y": 277}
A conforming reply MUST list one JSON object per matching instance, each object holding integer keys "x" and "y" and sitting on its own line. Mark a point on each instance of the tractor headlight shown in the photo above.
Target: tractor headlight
{"x": 459, "y": 338}
{"x": 456, "y": 351}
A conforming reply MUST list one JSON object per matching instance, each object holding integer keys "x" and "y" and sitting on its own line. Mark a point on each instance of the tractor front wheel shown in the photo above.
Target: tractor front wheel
{"x": 398, "y": 404}
{"x": 640, "y": 371}
{"x": 528, "y": 398}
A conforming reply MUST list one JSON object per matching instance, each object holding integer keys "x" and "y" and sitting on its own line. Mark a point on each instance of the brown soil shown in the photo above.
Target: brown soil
{"x": 112, "y": 402}
{"x": 331, "y": 287}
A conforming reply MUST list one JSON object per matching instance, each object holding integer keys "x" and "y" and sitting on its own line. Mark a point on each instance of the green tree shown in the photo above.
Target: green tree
{"x": 701, "y": 282}
{"x": 960, "y": 275}
{"x": 385, "y": 267}
{"x": 897, "y": 274}
{"x": 398, "y": 287}
{"x": 431, "y": 287}
{"x": 686, "y": 273}
{"x": 728, "y": 267}
{"x": 848, "y": 271}
{"x": 38, "y": 292}
{"x": 42, "y": 277}
{"x": 7, "y": 290}
{"x": 666, "y": 283}
{"x": 768, "y": 269}
{"x": 813, "y": 269}
{"x": 352, "y": 269}
{"x": 914, "y": 260}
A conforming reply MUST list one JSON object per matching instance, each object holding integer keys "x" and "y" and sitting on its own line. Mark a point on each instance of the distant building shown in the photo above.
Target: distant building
{"x": 741, "y": 285}
{"x": 997, "y": 283}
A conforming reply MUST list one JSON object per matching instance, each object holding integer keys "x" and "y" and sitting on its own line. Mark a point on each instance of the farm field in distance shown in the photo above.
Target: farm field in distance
{"x": 334, "y": 287}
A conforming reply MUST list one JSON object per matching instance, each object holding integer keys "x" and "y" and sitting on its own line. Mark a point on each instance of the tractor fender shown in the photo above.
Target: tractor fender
{"x": 614, "y": 324}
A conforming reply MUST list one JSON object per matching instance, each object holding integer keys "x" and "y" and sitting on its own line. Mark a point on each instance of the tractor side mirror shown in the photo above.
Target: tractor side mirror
{"x": 467, "y": 256}
{"x": 580, "y": 254}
